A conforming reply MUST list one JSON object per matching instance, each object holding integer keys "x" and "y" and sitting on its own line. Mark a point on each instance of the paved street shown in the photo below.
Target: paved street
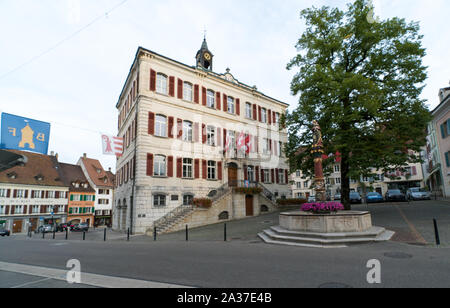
{"x": 244, "y": 261}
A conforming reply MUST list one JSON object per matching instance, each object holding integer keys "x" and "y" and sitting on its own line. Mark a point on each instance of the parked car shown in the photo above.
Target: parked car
{"x": 311, "y": 199}
{"x": 83, "y": 227}
{"x": 48, "y": 228}
{"x": 355, "y": 197}
{"x": 418, "y": 193}
{"x": 395, "y": 195}
{"x": 337, "y": 197}
{"x": 4, "y": 232}
{"x": 374, "y": 197}
{"x": 62, "y": 227}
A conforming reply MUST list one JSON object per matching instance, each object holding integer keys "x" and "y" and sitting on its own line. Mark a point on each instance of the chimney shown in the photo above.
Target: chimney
{"x": 109, "y": 169}
{"x": 56, "y": 155}
{"x": 84, "y": 155}
{"x": 52, "y": 153}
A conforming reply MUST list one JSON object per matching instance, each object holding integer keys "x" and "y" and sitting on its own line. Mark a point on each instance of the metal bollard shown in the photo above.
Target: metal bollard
{"x": 154, "y": 233}
{"x": 67, "y": 234}
{"x": 187, "y": 233}
{"x": 225, "y": 232}
{"x": 84, "y": 235}
{"x": 53, "y": 234}
{"x": 436, "y": 232}
{"x": 128, "y": 235}
{"x": 43, "y": 234}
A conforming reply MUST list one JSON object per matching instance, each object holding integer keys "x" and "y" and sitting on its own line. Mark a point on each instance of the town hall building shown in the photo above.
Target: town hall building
{"x": 199, "y": 147}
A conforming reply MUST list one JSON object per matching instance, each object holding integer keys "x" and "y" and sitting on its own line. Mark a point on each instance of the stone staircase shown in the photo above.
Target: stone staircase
{"x": 170, "y": 219}
{"x": 280, "y": 236}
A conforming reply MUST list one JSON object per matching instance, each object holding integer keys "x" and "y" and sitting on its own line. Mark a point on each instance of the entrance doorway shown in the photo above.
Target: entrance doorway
{"x": 232, "y": 175}
{"x": 17, "y": 226}
{"x": 249, "y": 205}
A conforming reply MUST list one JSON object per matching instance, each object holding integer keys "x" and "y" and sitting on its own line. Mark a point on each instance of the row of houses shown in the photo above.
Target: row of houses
{"x": 41, "y": 190}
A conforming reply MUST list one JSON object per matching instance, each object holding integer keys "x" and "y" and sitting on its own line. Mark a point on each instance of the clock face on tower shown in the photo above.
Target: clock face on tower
{"x": 207, "y": 56}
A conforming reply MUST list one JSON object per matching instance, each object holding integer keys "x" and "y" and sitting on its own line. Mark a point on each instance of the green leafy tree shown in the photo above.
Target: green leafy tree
{"x": 361, "y": 80}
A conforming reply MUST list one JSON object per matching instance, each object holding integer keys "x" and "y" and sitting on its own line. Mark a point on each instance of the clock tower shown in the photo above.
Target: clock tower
{"x": 204, "y": 57}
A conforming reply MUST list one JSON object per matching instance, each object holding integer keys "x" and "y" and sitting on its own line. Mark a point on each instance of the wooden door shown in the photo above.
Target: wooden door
{"x": 34, "y": 223}
{"x": 232, "y": 176}
{"x": 17, "y": 226}
{"x": 249, "y": 205}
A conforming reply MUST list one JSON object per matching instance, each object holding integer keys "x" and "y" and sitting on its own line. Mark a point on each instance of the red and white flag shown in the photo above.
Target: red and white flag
{"x": 243, "y": 143}
{"x": 112, "y": 145}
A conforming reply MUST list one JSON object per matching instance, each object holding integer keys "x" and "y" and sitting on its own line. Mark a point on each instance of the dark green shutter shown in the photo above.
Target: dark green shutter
{"x": 443, "y": 131}
{"x": 71, "y": 197}
{"x": 447, "y": 159}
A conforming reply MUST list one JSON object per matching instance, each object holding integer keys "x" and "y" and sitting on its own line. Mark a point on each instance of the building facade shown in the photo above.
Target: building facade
{"x": 103, "y": 183}
{"x": 81, "y": 200}
{"x": 32, "y": 194}
{"x": 182, "y": 127}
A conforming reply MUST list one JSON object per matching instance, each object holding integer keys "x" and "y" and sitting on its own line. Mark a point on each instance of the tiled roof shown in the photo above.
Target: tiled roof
{"x": 39, "y": 170}
{"x": 73, "y": 174}
{"x": 96, "y": 173}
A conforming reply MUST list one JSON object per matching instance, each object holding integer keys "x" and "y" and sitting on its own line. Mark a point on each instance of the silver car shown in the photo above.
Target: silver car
{"x": 418, "y": 193}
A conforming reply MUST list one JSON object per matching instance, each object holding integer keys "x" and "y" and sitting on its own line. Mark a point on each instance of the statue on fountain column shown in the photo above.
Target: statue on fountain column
{"x": 317, "y": 152}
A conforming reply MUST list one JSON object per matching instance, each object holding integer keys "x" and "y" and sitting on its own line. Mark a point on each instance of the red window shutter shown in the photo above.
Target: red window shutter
{"x": 257, "y": 175}
{"x": 26, "y": 194}
{"x": 219, "y": 137}
{"x": 277, "y": 176}
{"x": 286, "y": 176}
{"x": 7, "y": 210}
{"x": 272, "y": 173}
{"x": 204, "y": 170}
{"x": 204, "y": 137}
{"x": 8, "y": 193}
{"x": 196, "y": 132}
{"x": 56, "y": 195}
{"x": 172, "y": 86}
{"x": 218, "y": 105}
{"x": 238, "y": 106}
{"x": 254, "y": 113}
{"x": 270, "y": 145}
{"x": 152, "y": 80}
{"x": 219, "y": 167}
{"x": 171, "y": 123}
{"x": 224, "y": 138}
{"x": 274, "y": 118}
{"x": 30, "y": 210}
{"x": 196, "y": 93}
{"x": 245, "y": 173}
{"x": 269, "y": 116}
{"x": 13, "y": 209}
{"x": 151, "y": 123}
{"x": 259, "y": 114}
{"x": 15, "y": 193}
{"x": 170, "y": 166}
{"x": 179, "y": 167}
{"x": 204, "y": 96}
{"x": 225, "y": 103}
{"x": 149, "y": 164}
{"x": 179, "y": 128}
{"x": 197, "y": 168}
{"x": 180, "y": 88}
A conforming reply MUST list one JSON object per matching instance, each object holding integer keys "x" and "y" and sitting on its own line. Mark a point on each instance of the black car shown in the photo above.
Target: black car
{"x": 4, "y": 232}
{"x": 395, "y": 195}
{"x": 355, "y": 197}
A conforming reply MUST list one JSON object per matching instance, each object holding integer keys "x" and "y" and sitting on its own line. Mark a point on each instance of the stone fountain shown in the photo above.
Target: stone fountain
{"x": 325, "y": 230}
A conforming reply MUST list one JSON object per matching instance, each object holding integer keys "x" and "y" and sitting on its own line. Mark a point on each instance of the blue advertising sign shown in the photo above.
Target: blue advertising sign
{"x": 19, "y": 133}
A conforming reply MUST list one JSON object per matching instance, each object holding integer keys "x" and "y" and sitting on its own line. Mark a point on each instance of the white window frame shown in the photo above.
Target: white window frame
{"x": 211, "y": 136}
{"x": 248, "y": 110}
{"x": 251, "y": 174}
{"x": 188, "y": 131}
{"x": 281, "y": 176}
{"x": 187, "y": 168}
{"x": 212, "y": 165}
{"x": 161, "y": 125}
{"x": 159, "y": 200}
{"x": 161, "y": 84}
{"x": 210, "y": 99}
{"x": 160, "y": 165}
{"x": 337, "y": 168}
{"x": 264, "y": 115}
{"x": 231, "y": 105}
{"x": 187, "y": 91}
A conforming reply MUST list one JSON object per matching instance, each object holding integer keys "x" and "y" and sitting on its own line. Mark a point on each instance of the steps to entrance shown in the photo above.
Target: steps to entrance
{"x": 280, "y": 236}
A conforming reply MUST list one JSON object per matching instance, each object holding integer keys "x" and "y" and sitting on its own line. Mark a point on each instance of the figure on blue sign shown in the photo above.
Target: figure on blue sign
{"x": 27, "y": 137}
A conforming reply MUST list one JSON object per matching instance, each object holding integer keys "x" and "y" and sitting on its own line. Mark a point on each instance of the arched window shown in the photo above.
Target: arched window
{"x": 187, "y": 91}
{"x": 161, "y": 83}
{"x": 160, "y": 126}
{"x": 224, "y": 216}
{"x": 210, "y": 99}
{"x": 187, "y": 131}
{"x": 159, "y": 165}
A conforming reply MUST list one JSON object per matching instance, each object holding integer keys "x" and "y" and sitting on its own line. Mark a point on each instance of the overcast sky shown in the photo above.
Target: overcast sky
{"x": 75, "y": 86}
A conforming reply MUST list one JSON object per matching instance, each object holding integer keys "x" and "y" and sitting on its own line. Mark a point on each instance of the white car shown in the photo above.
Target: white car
{"x": 418, "y": 193}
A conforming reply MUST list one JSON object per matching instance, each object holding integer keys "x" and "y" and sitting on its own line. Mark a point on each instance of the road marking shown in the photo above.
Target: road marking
{"x": 86, "y": 278}
{"x": 30, "y": 283}
{"x": 413, "y": 229}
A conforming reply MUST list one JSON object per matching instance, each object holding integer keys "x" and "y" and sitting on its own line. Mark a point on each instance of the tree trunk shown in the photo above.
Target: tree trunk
{"x": 345, "y": 183}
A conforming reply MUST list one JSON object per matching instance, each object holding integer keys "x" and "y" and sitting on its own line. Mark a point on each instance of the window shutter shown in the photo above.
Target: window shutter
{"x": 30, "y": 210}
{"x": 179, "y": 128}
{"x": 149, "y": 164}
{"x": 15, "y": 193}
{"x": 196, "y": 132}
{"x": 26, "y": 194}
{"x": 219, "y": 137}
{"x": 443, "y": 131}
{"x": 180, "y": 88}
{"x": 270, "y": 145}
{"x": 13, "y": 209}
{"x": 204, "y": 96}
{"x": 274, "y": 119}
{"x": 254, "y": 113}
{"x": 7, "y": 210}
{"x": 71, "y": 197}
{"x": 269, "y": 116}
{"x": 448, "y": 127}
{"x": 196, "y": 93}
{"x": 151, "y": 123}
{"x": 197, "y": 168}
{"x": 259, "y": 114}
{"x": 152, "y": 80}
{"x": 8, "y": 193}
{"x": 172, "y": 86}
{"x": 219, "y": 167}
{"x": 204, "y": 170}
{"x": 225, "y": 103}
{"x": 447, "y": 159}
{"x": 179, "y": 167}
{"x": 170, "y": 166}
{"x": 245, "y": 173}
{"x": 286, "y": 176}
{"x": 238, "y": 106}
{"x": 204, "y": 137}
{"x": 171, "y": 122}
{"x": 272, "y": 173}
{"x": 414, "y": 170}
{"x": 218, "y": 105}
{"x": 224, "y": 138}
{"x": 257, "y": 174}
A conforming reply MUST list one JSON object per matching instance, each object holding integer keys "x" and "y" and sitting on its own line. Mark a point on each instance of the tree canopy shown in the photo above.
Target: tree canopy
{"x": 361, "y": 80}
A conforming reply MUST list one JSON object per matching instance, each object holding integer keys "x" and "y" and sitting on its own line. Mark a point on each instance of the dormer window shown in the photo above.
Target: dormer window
{"x": 12, "y": 175}
{"x": 77, "y": 185}
{"x": 39, "y": 177}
